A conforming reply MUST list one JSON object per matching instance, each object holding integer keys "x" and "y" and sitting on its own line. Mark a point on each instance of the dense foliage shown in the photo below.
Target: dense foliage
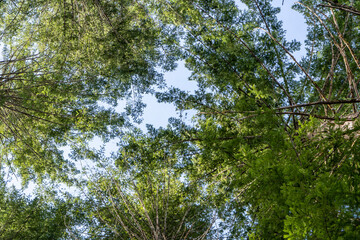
{"x": 272, "y": 151}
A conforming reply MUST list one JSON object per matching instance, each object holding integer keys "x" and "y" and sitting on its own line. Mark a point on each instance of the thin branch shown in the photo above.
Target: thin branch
{"x": 315, "y": 116}
{"x": 320, "y": 103}
{"x": 342, "y": 7}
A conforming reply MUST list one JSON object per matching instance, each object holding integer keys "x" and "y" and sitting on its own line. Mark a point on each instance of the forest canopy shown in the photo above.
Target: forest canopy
{"x": 272, "y": 150}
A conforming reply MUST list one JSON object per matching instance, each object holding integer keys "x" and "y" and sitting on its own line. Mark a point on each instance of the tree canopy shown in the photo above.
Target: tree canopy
{"x": 272, "y": 151}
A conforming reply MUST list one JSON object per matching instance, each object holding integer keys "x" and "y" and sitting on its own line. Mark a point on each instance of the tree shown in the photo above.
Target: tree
{"x": 146, "y": 195}
{"x": 62, "y": 60}
{"x": 22, "y": 217}
{"x": 277, "y": 135}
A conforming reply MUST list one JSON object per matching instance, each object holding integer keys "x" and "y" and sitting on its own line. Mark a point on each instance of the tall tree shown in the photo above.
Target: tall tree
{"x": 146, "y": 194}
{"x": 278, "y": 135}
{"x": 62, "y": 60}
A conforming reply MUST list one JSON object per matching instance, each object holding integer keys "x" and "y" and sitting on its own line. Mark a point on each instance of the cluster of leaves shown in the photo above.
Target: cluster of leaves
{"x": 273, "y": 149}
{"x": 22, "y": 217}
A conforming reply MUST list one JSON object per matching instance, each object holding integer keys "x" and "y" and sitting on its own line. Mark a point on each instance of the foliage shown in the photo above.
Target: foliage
{"x": 273, "y": 149}
{"x": 22, "y": 217}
